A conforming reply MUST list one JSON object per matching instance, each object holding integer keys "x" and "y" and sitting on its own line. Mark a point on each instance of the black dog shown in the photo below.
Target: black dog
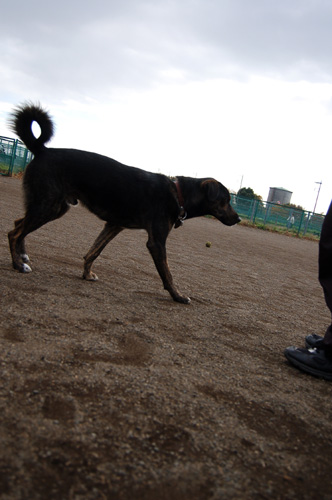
{"x": 124, "y": 197}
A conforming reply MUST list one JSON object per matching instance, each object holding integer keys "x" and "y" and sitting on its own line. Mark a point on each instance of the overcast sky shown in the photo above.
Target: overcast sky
{"x": 234, "y": 89}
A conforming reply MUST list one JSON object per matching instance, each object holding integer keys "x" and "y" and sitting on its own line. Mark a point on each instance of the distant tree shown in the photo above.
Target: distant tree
{"x": 248, "y": 193}
{"x": 296, "y": 207}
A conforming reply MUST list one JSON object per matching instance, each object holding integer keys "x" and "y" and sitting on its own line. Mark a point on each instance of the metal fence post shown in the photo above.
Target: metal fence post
{"x": 267, "y": 211}
{"x": 307, "y": 223}
{"x": 301, "y": 222}
{"x": 12, "y": 159}
{"x": 253, "y": 211}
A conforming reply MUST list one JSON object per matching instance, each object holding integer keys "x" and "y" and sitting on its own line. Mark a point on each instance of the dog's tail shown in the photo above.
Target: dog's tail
{"x": 21, "y": 121}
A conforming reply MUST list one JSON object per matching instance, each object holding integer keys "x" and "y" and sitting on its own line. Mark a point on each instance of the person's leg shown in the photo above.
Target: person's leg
{"x": 317, "y": 358}
{"x": 325, "y": 269}
{"x": 325, "y": 279}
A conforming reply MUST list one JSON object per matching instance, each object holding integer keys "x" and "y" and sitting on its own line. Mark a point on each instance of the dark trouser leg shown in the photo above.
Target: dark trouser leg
{"x": 325, "y": 268}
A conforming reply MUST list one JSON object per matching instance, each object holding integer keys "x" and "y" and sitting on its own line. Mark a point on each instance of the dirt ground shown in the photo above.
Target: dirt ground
{"x": 110, "y": 390}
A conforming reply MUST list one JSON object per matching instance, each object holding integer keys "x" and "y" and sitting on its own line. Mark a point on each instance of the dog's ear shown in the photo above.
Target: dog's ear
{"x": 211, "y": 187}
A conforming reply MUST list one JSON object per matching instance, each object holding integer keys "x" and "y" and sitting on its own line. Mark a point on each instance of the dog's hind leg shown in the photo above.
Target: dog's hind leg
{"x": 21, "y": 248}
{"x": 157, "y": 247}
{"x": 108, "y": 233}
{"x": 17, "y": 247}
{"x": 34, "y": 219}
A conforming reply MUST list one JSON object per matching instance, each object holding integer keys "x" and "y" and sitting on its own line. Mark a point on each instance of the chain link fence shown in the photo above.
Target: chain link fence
{"x": 283, "y": 218}
{"x": 14, "y": 156}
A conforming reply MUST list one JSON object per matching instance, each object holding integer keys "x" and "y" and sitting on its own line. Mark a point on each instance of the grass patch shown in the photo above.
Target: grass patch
{"x": 280, "y": 230}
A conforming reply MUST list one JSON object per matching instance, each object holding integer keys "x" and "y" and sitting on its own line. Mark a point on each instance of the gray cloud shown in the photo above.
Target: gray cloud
{"x": 66, "y": 49}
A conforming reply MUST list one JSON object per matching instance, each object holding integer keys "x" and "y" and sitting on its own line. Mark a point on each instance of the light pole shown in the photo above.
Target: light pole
{"x": 320, "y": 185}
{"x": 241, "y": 182}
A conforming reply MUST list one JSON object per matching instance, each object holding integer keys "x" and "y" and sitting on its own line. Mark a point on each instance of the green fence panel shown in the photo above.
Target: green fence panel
{"x": 283, "y": 218}
{"x": 14, "y": 156}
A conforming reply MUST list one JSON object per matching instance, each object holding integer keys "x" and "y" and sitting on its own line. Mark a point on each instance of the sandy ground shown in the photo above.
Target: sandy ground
{"x": 110, "y": 390}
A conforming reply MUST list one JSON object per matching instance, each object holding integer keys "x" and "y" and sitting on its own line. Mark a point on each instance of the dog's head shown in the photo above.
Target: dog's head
{"x": 217, "y": 200}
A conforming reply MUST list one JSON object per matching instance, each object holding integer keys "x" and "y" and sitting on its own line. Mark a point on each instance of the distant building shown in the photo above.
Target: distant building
{"x": 279, "y": 195}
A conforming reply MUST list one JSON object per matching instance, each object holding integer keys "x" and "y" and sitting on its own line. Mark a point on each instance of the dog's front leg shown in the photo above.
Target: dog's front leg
{"x": 157, "y": 250}
{"x": 108, "y": 233}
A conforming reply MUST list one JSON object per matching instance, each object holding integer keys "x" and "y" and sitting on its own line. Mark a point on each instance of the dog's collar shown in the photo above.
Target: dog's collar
{"x": 183, "y": 214}
{"x": 180, "y": 197}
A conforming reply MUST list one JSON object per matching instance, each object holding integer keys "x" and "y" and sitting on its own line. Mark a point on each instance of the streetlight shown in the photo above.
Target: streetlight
{"x": 241, "y": 182}
{"x": 320, "y": 185}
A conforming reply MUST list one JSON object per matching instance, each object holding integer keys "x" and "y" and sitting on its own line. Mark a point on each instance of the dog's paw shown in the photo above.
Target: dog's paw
{"x": 25, "y": 258}
{"x": 182, "y": 299}
{"x": 90, "y": 277}
{"x": 25, "y": 268}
